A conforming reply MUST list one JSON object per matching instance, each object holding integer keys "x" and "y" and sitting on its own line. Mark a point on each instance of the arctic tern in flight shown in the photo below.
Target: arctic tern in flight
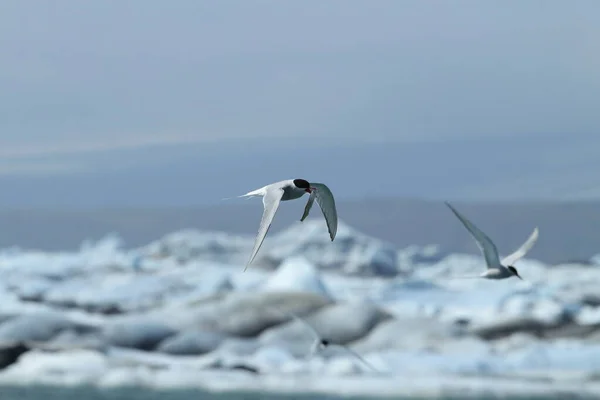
{"x": 496, "y": 269}
{"x": 292, "y": 189}
{"x": 320, "y": 343}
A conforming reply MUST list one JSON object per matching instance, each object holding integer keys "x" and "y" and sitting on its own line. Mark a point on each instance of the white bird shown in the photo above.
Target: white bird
{"x": 496, "y": 269}
{"x": 321, "y": 344}
{"x": 292, "y": 189}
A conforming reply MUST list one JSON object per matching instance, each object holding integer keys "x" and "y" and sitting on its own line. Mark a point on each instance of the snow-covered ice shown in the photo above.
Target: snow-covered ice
{"x": 180, "y": 312}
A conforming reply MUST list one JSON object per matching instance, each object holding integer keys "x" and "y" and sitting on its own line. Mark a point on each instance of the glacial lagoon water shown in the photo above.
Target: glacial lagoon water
{"x": 90, "y": 393}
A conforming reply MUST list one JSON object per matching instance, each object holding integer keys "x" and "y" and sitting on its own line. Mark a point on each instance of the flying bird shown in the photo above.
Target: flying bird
{"x": 496, "y": 269}
{"x": 292, "y": 189}
{"x": 319, "y": 344}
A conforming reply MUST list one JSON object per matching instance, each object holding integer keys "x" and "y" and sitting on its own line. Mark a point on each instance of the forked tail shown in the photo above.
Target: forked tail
{"x": 254, "y": 193}
{"x": 258, "y": 192}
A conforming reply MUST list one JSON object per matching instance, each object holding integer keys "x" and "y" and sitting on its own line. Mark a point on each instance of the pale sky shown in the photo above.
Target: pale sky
{"x": 111, "y": 76}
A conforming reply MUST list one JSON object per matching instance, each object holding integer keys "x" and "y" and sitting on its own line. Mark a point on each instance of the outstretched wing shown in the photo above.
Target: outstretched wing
{"x": 523, "y": 250}
{"x": 312, "y": 330}
{"x": 357, "y": 356}
{"x": 271, "y": 200}
{"x": 326, "y": 202}
{"x": 314, "y": 348}
{"x": 309, "y": 204}
{"x": 485, "y": 244}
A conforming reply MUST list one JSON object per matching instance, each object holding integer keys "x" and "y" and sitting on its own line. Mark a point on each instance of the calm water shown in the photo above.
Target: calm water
{"x": 84, "y": 393}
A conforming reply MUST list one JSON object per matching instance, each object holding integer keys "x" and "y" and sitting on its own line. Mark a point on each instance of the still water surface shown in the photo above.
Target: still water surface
{"x": 86, "y": 393}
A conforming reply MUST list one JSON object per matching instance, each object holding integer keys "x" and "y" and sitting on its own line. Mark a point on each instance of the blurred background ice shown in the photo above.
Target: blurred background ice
{"x": 180, "y": 313}
{"x": 123, "y": 124}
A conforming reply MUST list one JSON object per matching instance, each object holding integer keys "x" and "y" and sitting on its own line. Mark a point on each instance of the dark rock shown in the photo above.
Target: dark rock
{"x": 10, "y": 353}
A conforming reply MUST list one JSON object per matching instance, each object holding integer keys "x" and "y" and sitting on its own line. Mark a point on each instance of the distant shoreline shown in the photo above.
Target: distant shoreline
{"x": 568, "y": 230}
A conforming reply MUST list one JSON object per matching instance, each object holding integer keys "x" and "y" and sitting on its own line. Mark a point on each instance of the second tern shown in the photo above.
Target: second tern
{"x": 319, "y": 344}
{"x": 496, "y": 269}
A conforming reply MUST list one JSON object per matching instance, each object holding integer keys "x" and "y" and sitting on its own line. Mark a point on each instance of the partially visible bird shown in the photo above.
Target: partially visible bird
{"x": 319, "y": 344}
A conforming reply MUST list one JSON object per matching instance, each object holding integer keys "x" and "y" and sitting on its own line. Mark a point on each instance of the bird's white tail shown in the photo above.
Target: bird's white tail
{"x": 257, "y": 192}
{"x": 235, "y": 197}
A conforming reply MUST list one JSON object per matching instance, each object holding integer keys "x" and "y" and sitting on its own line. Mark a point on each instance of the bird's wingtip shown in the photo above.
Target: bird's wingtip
{"x": 333, "y": 234}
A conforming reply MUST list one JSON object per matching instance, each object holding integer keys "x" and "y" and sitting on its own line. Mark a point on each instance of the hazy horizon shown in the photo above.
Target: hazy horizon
{"x": 146, "y": 104}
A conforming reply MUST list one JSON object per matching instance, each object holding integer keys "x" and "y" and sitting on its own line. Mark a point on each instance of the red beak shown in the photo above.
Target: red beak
{"x": 308, "y": 190}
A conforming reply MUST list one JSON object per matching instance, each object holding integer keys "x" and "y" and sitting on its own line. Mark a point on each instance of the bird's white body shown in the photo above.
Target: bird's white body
{"x": 499, "y": 272}
{"x": 496, "y": 269}
{"x": 290, "y": 191}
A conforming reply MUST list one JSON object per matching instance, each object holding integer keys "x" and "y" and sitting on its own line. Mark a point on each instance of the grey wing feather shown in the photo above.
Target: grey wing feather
{"x": 309, "y": 204}
{"x": 271, "y": 201}
{"x": 326, "y": 202}
{"x": 314, "y": 348}
{"x": 485, "y": 244}
{"x": 361, "y": 359}
{"x": 312, "y": 330}
{"x": 523, "y": 250}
